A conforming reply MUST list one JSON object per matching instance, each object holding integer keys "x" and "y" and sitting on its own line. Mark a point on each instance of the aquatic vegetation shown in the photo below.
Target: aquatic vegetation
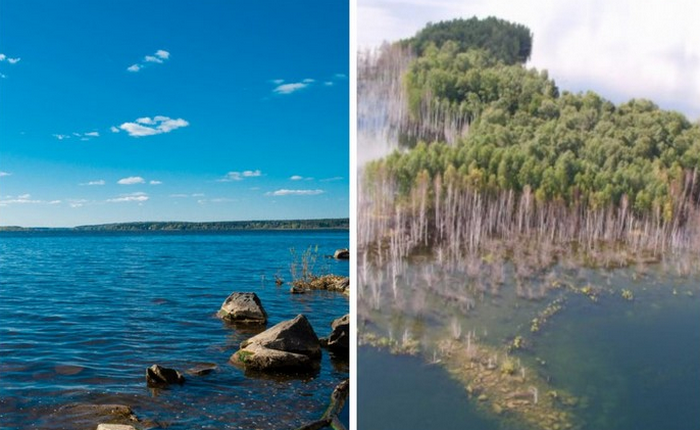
{"x": 548, "y": 312}
{"x": 627, "y": 294}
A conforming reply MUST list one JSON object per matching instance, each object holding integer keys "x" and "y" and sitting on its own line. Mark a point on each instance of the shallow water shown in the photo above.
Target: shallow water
{"x": 632, "y": 365}
{"x": 402, "y": 392}
{"x": 82, "y": 315}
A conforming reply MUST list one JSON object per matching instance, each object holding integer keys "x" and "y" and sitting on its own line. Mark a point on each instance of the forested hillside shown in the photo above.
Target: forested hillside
{"x": 496, "y": 149}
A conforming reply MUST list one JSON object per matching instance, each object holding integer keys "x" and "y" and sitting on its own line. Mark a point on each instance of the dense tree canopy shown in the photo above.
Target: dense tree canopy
{"x": 575, "y": 148}
{"x": 502, "y": 40}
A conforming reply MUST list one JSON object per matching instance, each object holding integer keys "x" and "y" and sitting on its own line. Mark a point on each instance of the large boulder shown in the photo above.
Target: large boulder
{"x": 339, "y": 339}
{"x": 243, "y": 308}
{"x": 158, "y": 376}
{"x": 291, "y": 344}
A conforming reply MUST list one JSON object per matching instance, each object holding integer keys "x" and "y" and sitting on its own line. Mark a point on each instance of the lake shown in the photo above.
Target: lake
{"x": 629, "y": 364}
{"x": 82, "y": 315}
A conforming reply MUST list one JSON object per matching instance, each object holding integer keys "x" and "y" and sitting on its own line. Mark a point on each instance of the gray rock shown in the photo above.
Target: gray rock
{"x": 341, "y": 254}
{"x": 342, "y": 285}
{"x": 115, "y": 427}
{"x": 291, "y": 344}
{"x": 157, "y": 376}
{"x": 243, "y": 308}
{"x": 339, "y": 339}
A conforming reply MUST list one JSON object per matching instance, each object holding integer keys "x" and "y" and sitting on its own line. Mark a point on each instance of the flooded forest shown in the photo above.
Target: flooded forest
{"x": 538, "y": 247}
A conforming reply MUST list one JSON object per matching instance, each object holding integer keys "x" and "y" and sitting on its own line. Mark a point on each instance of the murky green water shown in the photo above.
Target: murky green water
{"x": 632, "y": 365}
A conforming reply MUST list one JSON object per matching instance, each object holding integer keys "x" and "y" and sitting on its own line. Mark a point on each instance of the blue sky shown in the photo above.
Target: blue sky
{"x": 172, "y": 110}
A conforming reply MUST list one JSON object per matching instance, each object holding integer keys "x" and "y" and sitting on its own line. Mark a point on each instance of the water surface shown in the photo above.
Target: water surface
{"x": 82, "y": 315}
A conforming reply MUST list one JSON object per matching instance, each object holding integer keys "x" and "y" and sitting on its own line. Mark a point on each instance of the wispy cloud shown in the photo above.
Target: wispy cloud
{"x": 282, "y": 87}
{"x": 290, "y": 88}
{"x": 300, "y": 178}
{"x": 131, "y": 180}
{"x": 4, "y": 58}
{"x": 284, "y": 192}
{"x": 5, "y": 174}
{"x": 154, "y": 182}
{"x": 25, "y": 199}
{"x": 98, "y": 182}
{"x": 114, "y": 129}
{"x": 147, "y": 126}
{"x": 81, "y": 136}
{"x": 159, "y": 57}
{"x": 183, "y": 195}
{"x": 216, "y": 200}
{"x": 334, "y": 178}
{"x": 125, "y": 198}
{"x": 239, "y": 176}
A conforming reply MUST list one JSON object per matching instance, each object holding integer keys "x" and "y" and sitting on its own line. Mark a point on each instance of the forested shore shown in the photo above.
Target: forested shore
{"x": 491, "y": 150}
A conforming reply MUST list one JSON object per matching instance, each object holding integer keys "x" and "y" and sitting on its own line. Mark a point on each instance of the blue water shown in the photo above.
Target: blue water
{"x": 82, "y": 315}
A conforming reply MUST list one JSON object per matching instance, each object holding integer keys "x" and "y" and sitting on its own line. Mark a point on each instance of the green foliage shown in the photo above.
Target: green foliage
{"x": 579, "y": 149}
{"x": 502, "y": 40}
{"x": 312, "y": 224}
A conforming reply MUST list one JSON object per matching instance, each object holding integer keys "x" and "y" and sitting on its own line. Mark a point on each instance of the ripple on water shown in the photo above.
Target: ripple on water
{"x": 112, "y": 305}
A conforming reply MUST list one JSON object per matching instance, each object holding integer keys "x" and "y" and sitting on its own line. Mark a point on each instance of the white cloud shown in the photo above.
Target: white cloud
{"x": 655, "y": 54}
{"x": 239, "y": 176}
{"x": 145, "y": 120}
{"x": 5, "y": 174}
{"x": 114, "y": 129}
{"x": 154, "y": 182}
{"x": 151, "y": 126}
{"x": 296, "y": 178}
{"x": 152, "y": 59}
{"x": 340, "y": 76}
{"x": 25, "y": 199}
{"x": 4, "y": 57}
{"x": 159, "y": 57}
{"x": 309, "y": 81}
{"x": 135, "y": 197}
{"x": 284, "y": 192}
{"x": 131, "y": 180}
{"x": 328, "y": 83}
{"x": 277, "y": 81}
{"x": 290, "y": 88}
{"x": 82, "y": 136}
{"x": 98, "y": 182}
{"x": 334, "y": 178}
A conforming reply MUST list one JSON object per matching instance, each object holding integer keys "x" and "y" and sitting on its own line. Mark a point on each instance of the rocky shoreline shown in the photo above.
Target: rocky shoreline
{"x": 290, "y": 347}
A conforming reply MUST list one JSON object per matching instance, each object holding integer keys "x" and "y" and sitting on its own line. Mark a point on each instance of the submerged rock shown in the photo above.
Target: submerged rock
{"x": 243, "y": 308}
{"x": 341, "y": 254}
{"x": 201, "y": 369}
{"x": 291, "y": 344}
{"x": 339, "y": 339}
{"x": 157, "y": 376}
{"x": 88, "y": 415}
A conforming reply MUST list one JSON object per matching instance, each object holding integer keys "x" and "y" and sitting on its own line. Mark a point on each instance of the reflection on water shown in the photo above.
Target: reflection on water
{"x": 629, "y": 364}
{"x": 83, "y": 315}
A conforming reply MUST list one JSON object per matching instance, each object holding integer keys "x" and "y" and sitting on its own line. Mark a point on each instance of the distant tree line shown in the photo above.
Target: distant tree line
{"x": 311, "y": 224}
